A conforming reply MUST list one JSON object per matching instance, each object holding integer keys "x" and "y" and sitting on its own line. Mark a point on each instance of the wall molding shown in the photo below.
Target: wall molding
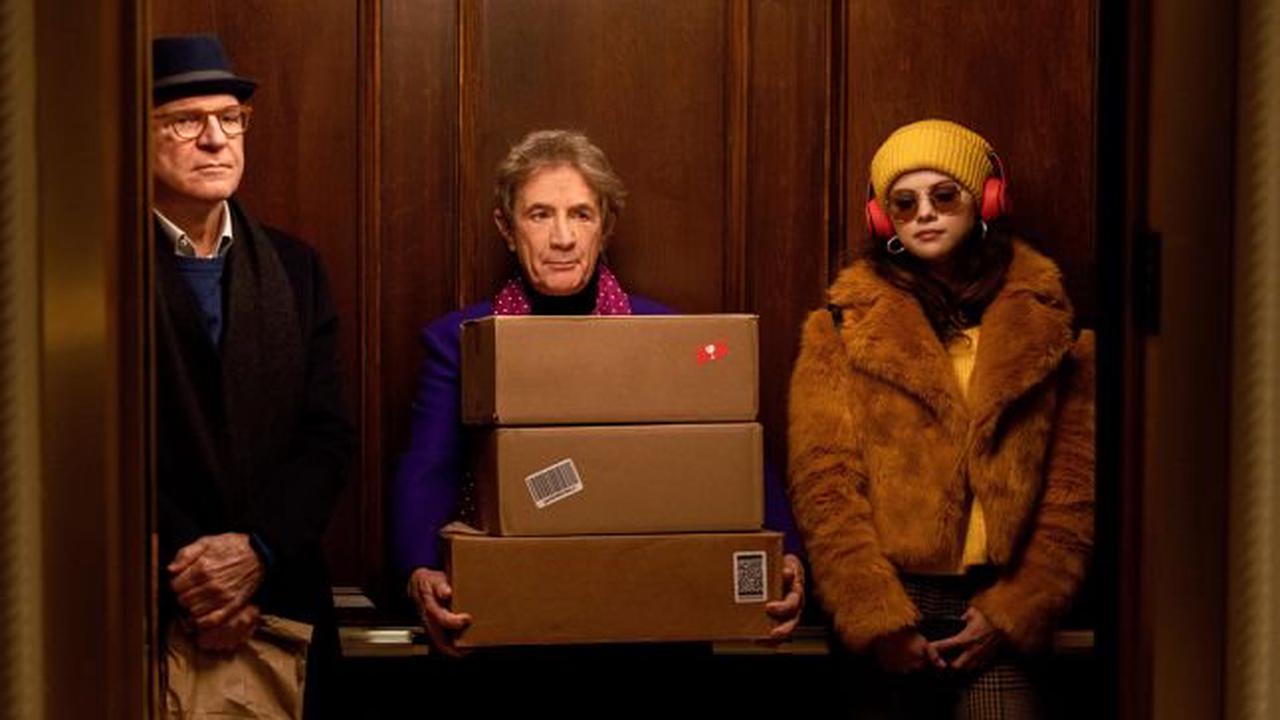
{"x": 737, "y": 146}
{"x": 369, "y": 253}
{"x": 471, "y": 232}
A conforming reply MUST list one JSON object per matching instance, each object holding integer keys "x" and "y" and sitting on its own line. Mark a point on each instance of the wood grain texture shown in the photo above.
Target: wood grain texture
{"x": 737, "y": 136}
{"x": 369, "y": 366}
{"x": 787, "y": 209}
{"x": 418, "y": 220}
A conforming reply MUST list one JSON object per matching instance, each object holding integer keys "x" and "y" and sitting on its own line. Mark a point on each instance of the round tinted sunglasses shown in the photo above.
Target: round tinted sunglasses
{"x": 947, "y": 198}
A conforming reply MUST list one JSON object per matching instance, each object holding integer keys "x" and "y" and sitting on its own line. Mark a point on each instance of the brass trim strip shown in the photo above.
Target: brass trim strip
{"x": 21, "y": 558}
{"x": 408, "y": 641}
{"x": 1252, "y": 669}
{"x": 382, "y": 642}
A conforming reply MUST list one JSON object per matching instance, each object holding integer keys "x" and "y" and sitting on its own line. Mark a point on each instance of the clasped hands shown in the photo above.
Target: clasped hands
{"x": 907, "y": 651}
{"x": 214, "y": 580}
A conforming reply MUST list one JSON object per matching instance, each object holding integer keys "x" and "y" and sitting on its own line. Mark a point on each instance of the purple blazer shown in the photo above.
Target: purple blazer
{"x": 425, "y": 493}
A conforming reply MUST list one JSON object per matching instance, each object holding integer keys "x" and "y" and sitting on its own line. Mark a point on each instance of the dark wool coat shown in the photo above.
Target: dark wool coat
{"x": 885, "y": 451}
{"x": 262, "y": 446}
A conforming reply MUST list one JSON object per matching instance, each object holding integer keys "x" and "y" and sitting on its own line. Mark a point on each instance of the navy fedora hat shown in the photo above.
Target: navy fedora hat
{"x": 187, "y": 65}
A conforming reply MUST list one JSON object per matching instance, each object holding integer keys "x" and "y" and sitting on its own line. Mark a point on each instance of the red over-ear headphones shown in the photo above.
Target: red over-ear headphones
{"x": 993, "y": 204}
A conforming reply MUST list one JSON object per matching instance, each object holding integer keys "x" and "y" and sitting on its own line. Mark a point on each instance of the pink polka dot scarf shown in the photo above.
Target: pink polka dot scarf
{"x": 513, "y": 298}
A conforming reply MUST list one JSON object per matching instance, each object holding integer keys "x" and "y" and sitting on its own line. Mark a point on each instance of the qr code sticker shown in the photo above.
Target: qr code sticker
{"x": 749, "y": 572}
{"x": 553, "y": 484}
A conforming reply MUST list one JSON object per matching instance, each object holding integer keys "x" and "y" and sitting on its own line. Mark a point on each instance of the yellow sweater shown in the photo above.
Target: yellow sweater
{"x": 963, "y": 351}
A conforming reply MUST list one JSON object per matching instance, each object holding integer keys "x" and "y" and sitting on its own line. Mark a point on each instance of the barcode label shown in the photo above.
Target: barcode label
{"x": 554, "y": 484}
{"x": 749, "y": 572}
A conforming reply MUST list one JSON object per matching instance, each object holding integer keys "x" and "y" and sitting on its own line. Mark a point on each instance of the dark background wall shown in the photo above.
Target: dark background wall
{"x": 742, "y": 129}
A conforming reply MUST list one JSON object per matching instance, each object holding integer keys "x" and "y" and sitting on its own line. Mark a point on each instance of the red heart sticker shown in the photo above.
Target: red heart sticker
{"x": 712, "y": 352}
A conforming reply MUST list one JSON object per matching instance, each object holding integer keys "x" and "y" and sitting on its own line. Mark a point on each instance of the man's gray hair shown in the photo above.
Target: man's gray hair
{"x": 548, "y": 148}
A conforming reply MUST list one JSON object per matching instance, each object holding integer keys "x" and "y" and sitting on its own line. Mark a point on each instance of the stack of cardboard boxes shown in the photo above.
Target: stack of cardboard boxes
{"x": 619, "y": 482}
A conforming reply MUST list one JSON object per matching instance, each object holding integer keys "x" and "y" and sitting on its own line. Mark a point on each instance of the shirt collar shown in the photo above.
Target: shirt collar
{"x": 182, "y": 243}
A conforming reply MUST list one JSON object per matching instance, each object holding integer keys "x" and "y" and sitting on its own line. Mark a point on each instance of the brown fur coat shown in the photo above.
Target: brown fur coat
{"x": 885, "y": 451}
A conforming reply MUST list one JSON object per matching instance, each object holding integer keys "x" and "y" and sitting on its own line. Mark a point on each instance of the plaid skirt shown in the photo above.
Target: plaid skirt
{"x": 1004, "y": 690}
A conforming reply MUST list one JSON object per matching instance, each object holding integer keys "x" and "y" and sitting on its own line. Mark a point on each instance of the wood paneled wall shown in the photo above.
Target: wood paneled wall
{"x": 742, "y": 130}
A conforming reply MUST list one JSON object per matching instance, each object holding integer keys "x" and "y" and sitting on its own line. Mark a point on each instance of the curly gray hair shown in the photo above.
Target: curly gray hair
{"x": 546, "y": 148}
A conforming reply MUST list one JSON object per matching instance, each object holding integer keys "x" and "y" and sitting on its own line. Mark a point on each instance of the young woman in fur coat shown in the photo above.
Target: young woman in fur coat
{"x": 941, "y": 435}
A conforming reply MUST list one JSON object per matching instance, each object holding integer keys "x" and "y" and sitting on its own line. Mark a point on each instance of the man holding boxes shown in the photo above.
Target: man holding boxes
{"x": 562, "y": 487}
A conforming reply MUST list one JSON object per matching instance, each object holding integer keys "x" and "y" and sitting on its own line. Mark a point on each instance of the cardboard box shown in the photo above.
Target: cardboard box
{"x": 614, "y": 588}
{"x": 592, "y": 479}
{"x": 543, "y": 370}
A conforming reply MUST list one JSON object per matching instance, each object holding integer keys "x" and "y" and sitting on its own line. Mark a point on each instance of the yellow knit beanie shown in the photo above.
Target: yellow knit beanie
{"x": 938, "y": 145}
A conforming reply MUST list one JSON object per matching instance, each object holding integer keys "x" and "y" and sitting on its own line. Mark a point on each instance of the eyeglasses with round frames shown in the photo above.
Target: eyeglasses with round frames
{"x": 947, "y": 198}
{"x": 189, "y": 124}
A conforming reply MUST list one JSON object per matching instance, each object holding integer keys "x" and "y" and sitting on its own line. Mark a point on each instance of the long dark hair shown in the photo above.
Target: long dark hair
{"x": 980, "y": 265}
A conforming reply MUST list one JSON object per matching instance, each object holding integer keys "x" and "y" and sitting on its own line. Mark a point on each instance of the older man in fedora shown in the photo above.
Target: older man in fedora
{"x": 253, "y": 441}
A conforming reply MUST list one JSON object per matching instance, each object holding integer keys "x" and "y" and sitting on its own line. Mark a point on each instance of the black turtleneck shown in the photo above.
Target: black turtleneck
{"x": 582, "y": 302}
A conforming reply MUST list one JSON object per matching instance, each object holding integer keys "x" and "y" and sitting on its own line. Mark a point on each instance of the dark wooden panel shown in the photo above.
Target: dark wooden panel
{"x": 1019, "y": 73}
{"x": 738, "y": 136}
{"x": 786, "y": 213}
{"x": 418, "y": 211}
{"x": 369, "y": 367}
{"x": 172, "y": 17}
{"x": 646, "y": 81}
{"x": 302, "y": 167}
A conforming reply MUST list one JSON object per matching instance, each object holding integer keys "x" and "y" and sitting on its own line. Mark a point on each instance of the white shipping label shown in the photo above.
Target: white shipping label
{"x": 553, "y": 484}
{"x": 750, "y": 569}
